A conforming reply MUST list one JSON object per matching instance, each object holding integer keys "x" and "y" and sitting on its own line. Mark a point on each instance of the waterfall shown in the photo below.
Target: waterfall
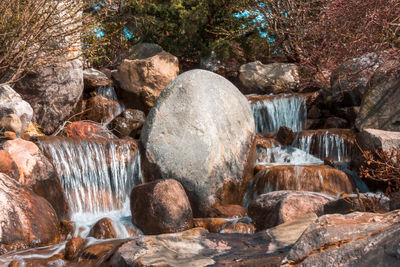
{"x": 327, "y": 145}
{"x": 97, "y": 176}
{"x": 282, "y": 110}
{"x": 276, "y": 155}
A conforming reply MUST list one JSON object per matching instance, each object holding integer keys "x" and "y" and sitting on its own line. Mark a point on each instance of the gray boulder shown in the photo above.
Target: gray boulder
{"x": 373, "y": 139}
{"x": 52, "y": 92}
{"x": 200, "y": 132}
{"x": 355, "y": 239}
{"x": 145, "y": 50}
{"x": 12, "y": 103}
{"x": 272, "y": 78}
{"x": 380, "y": 107}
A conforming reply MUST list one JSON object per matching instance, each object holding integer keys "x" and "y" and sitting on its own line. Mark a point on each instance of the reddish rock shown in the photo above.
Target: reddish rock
{"x": 275, "y": 208}
{"x": 99, "y": 253}
{"x": 87, "y": 130}
{"x": 229, "y": 211}
{"x": 316, "y": 178}
{"x": 26, "y": 220}
{"x": 263, "y": 141}
{"x": 10, "y": 135}
{"x": 103, "y": 229}
{"x": 128, "y": 123}
{"x": 66, "y": 228}
{"x": 37, "y": 173}
{"x": 93, "y": 79}
{"x": 161, "y": 207}
{"x": 73, "y": 247}
{"x": 7, "y": 165}
{"x": 219, "y": 225}
{"x": 101, "y": 109}
{"x": 285, "y": 136}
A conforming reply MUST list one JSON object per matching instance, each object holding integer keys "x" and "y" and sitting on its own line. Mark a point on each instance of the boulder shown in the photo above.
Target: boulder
{"x": 226, "y": 226}
{"x": 26, "y": 220}
{"x": 52, "y": 92}
{"x": 10, "y": 135}
{"x": 315, "y": 178}
{"x": 394, "y": 203}
{"x": 103, "y": 229}
{"x": 335, "y": 122}
{"x": 275, "y": 78}
{"x": 379, "y": 107}
{"x": 349, "y": 81}
{"x": 101, "y": 109}
{"x": 285, "y": 136}
{"x": 128, "y": 123}
{"x": 353, "y": 202}
{"x": 11, "y": 122}
{"x": 355, "y": 239}
{"x": 12, "y": 103}
{"x": 197, "y": 247}
{"x": 8, "y": 165}
{"x": 142, "y": 80}
{"x": 373, "y": 139}
{"x": 37, "y": 173}
{"x": 278, "y": 207}
{"x": 161, "y": 207}
{"x": 93, "y": 79}
{"x": 201, "y": 132}
{"x": 73, "y": 247}
{"x": 229, "y": 211}
{"x": 87, "y": 129}
{"x": 145, "y": 50}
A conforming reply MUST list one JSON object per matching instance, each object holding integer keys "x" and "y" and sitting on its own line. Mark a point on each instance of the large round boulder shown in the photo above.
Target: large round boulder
{"x": 26, "y": 220}
{"x": 52, "y": 92}
{"x": 201, "y": 132}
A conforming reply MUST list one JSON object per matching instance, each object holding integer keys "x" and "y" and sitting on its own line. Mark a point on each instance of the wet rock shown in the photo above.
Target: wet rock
{"x": 349, "y": 81}
{"x": 12, "y": 103}
{"x": 11, "y": 122}
{"x": 103, "y": 229}
{"x": 353, "y": 202}
{"x": 379, "y": 108}
{"x": 98, "y": 254}
{"x": 278, "y": 207}
{"x": 86, "y": 129}
{"x": 161, "y": 207}
{"x": 314, "y": 113}
{"x": 285, "y": 136}
{"x": 197, "y": 247}
{"x": 335, "y": 122}
{"x": 201, "y": 132}
{"x": 355, "y": 239}
{"x": 229, "y": 211}
{"x": 101, "y": 109}
{"x": 7, "y": 165}
{"x": 26, "y": 220}
{"x": 66, "y": 228}
{"x": 52, "y": 92}
{"x": 142, "y": 80}
{"x": 315, "y": 178}
{"x": 37, "y": 173}
{"x": 220, "y": 225}
{"x": 73, "y": 247}
{"x": 128, "y": 123}
{"x": 145, "y": 50}
{"x": 93, "y": 79}
{"x": 265, "y": 142}
{"x": 272, "y": 78}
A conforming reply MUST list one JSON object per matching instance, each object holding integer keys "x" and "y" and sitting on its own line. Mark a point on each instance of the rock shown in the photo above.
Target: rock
{"x": 265, "y": 142}
{"x": 8, "y": 166}
{"x": 66, "y": 228}
{"x": 349, "y": 81}
{"x": 211, "y": 63}
{"x": 314, "y": 113}
{"x": 315, "y": 178}
{"x": 101, "y": 109}
{"x": 52, "y": 92}
{"x": 12, "y": 103}
{"x": 272, "y": 78}
{"x": 201, "y": 132}
{"x": 355, "y": 239}
{"x": 145, "y": 50}
{"x": 335, "y": 122}
{"x": 352, "y": 203}
{"x": 219, "y": 225}
{"x": 144, "y": 79}
{"x": 38, "y": 174}
{"x": 10, "y": 135}
{"x": 73, "y": 247}
{"x": 87, "y": 129}
{"x": 128, "y": 123}
{"x": 93, "y": 79}
{"x": 99, "y": 253}
{"x": 379, "y": 108}
{"x": 26, "y": 220}
{"x": 103, "y": 229}
{"x": 278, "y": 207}
{"x": 394, "y": 203}
{"x": 11, "y": 122}
{"x": 285, "y": 136}
{"x": 229, "y": 211}
{"x": 373, "y": 139}
{"x": 161, "y": 207}
{"x": 349, "y": 114}
{"x": 197, "y": 247}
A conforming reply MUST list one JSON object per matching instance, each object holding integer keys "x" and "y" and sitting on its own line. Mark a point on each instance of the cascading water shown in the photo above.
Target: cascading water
{"x": 276, "y": 155}
{"x": 97, "y": 177}
{"x": 282, "y": 110}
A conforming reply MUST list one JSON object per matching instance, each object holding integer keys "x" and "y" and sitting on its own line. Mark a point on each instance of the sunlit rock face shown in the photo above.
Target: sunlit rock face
{"x": 200, "y": 132}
